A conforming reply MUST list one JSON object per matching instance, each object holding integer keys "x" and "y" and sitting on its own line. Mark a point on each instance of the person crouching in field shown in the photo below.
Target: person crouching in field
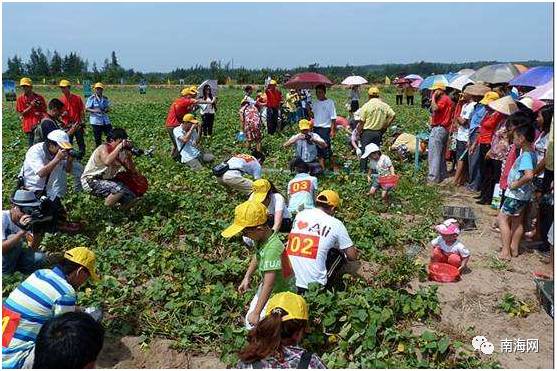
{"x": 240, "y": 165}
{"x": 250, "y": 219}
{"x": 187, "y": 140}
{"x": 273, "y": 343}
{"x": 447, "y": 248}
{"x": 110, "y": 158}
{"x": 379, "y": 165}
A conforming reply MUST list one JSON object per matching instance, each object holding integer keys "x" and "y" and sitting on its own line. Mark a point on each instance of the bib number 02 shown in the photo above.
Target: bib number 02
{"x": 302, "y": 245}
{"x": 10, "y": 321}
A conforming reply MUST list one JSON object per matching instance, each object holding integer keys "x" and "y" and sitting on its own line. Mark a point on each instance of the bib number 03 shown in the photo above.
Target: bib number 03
{"x": 303, "y": 185}
{"x": 302, "y": 245}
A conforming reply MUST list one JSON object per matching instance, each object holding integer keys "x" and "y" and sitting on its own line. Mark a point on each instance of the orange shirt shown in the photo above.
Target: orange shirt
{"x": 177, "y": 110}
{"x": 31, "y": 118}
{"x": 73, "y": 105}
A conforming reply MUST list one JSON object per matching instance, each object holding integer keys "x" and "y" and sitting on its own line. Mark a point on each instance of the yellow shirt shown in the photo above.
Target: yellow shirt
{"x": 408, "y": 140}
{"x": 291, "y": 101}
{"x": 409, "y": 92}
{"x": 375, "y": 114}
{"x": 549, "y": 152}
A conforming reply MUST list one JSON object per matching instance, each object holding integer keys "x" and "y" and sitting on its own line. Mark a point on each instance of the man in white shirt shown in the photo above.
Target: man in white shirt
{"x": 46, "y": 164}
{"x": 307, "y": 147}
{"x": 324, "y": 124}
{"x": 187, "y": 141}
{"x": 319, "y": 244}
{"x": 302, "y": 188}
{"x": 462, "y": 135}
{"x": 240, "y": 165}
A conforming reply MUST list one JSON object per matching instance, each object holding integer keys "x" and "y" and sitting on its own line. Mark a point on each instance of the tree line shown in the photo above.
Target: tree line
{"x": 53, "y": 66}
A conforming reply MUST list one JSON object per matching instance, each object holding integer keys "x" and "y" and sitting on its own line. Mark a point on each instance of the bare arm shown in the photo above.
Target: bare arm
{"x": 540, "y": 168}
{"x": 527, "y": 177}
{"x": 266, "y": 289}
{"x": 463, "y": 263}
{"x": 48, "y": 168}
{"x": 434, "y": 106}
{"x": 109, "y": 158}
{"x": 291, "y": 141}
{"x": 12, "y": 241}
{"x": 244, "y": 286}
{"x": 352, "y": 253}
{"x": 186, "y": 138}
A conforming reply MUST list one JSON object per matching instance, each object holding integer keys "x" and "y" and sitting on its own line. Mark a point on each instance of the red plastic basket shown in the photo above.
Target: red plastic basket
{"x": 443, "y": 272}
{"x": 388, "y": 181}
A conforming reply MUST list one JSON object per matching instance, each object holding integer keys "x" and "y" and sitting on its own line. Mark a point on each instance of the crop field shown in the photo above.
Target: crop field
{"x": 167, "y": 272}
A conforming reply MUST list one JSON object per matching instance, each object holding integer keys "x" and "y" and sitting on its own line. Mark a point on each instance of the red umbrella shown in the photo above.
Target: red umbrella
{"x": 307, "y": 80}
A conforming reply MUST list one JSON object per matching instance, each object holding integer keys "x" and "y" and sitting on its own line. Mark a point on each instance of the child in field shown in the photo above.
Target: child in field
{"x": 302, "y": 188}
{"x": 520, "y": 188}
{"x": 379, "y": 165}
{"x": 447, "y": 248}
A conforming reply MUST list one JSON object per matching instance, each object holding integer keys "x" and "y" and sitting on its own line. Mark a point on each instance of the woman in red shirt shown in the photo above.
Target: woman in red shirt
{"x": 490, "y": 168}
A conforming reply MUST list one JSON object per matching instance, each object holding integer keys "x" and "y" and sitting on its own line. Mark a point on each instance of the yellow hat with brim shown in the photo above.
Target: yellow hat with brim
{"x": 329, "y": 197}
{"x": 98, "y": 86}
{"x": 188, "y": 117}
{"x": 85, "y": 257}
{"x": 260, "y": 189}
{"x": 304, "y": 124}
{"x": 373, "y": 91}
{"x": 489, "y": 97}
{"x": 184, "y": 91}
{"x": 248, "y": 214}
{"x": 25, "y": 81}
{"x": 294, "y": 305}
{"x": 438, "y": 86}
{"x": 64, "y": 84}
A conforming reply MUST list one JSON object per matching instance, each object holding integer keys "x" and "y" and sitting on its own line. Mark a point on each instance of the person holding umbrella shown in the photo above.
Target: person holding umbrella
{"x": 441, "y": 109}
{"x": 354, "y": 98}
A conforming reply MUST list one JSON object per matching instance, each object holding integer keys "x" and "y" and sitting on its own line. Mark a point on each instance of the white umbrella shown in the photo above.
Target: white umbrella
{"x": 354, "y": 80}
{"x": 413, "y": 77}
{"x": 212, "y": 83}
{"x": 460, "y": 82}
{"x": 466, "y": 71}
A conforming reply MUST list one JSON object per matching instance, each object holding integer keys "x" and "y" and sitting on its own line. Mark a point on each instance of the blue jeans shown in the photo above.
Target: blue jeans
{"x": 436, "y": 154}
{"x": 21, "y": 259}
{"x": 475, "y": 176}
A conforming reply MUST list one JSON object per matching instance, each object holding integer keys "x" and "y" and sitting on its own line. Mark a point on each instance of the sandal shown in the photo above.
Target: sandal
{"x": 542, "y": 275}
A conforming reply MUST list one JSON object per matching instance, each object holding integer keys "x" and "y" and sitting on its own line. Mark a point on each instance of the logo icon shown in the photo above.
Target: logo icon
{"x": 480, "y": 343}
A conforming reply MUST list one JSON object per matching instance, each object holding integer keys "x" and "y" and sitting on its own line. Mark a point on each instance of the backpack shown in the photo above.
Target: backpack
{"x": 223, "y": 167}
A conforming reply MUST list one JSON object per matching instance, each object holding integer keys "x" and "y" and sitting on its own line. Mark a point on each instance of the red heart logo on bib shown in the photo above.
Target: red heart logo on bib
{"x": 302, "y": 225}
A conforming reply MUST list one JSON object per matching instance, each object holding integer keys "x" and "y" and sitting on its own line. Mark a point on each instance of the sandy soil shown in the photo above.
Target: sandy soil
{"x": 469, "y": 307}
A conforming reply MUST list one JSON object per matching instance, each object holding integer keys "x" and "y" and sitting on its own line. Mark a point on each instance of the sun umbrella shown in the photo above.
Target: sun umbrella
{"x": 544, "y": 92}
{"x": 534, "y": 77}
{"x": 413, "y": 77}
{"x": 459, "y": 82}
{"x": 466, "y": 71}
{"x": 496, "y": 73}
{"x": 212, "y": 83}
{"x": 430, "y": 80}
{"x": 354, "y": 80}
{"x": 476, "y": 89}
{"x": 416, "y": 83}
{"x": 521, "y": 68}
{"x": 307, "y": 80}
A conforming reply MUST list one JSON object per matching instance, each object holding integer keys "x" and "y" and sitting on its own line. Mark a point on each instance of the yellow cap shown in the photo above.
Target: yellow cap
{"x": 85, "y": 257}
{"x": 185, "y": 91}
{"x": 489, "y": 97}
{"x": 247, "y": 214}
{"x": 329, "y": 197}
{"x": 260, "y": 189}
{"x": 25, "y": 81}
{"x": 373, "y": 91}
{"x": 188, "y": 117}
{"x": 98, "y": 85}
{"x": 304, "y": 124}
{"x": 64, "y": 84}
{"x": 438, "y": 86}
{"x": 272, "y": 82}
{"x": 294, "y": 305}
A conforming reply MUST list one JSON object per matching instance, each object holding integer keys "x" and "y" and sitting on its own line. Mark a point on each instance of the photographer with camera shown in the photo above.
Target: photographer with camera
{"x": 31, "y": 106}
{"x": 187, "y": 140}
{"x": 44, "y": 172}
{"x": 307, "y": 144}
{"x": 109, "y": 167}
{"x": 16, "y": 225}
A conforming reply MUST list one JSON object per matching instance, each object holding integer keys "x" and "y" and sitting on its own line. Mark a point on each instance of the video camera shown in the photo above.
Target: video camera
{"x": 39, "y": 214}
{"x": 137, "y": 151}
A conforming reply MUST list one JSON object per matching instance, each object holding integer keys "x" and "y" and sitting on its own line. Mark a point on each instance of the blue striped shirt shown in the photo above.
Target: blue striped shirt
{"x": 43, "y": 295}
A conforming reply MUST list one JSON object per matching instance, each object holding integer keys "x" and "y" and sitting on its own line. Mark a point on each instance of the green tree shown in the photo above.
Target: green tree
{"x": 56, "y": 64}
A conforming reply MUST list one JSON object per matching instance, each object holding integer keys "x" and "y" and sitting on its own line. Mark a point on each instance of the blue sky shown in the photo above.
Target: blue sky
{"x": 161, "y": 37}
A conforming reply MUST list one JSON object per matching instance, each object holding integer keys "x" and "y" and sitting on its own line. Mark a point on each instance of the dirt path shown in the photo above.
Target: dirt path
{"x": 469, "y": 306}
{"x": 129, "y": 352}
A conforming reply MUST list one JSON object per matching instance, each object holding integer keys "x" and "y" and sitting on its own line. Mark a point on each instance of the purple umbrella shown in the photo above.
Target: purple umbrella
{"x": 534, "y": 77}
{"x": 544, "y": 92}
